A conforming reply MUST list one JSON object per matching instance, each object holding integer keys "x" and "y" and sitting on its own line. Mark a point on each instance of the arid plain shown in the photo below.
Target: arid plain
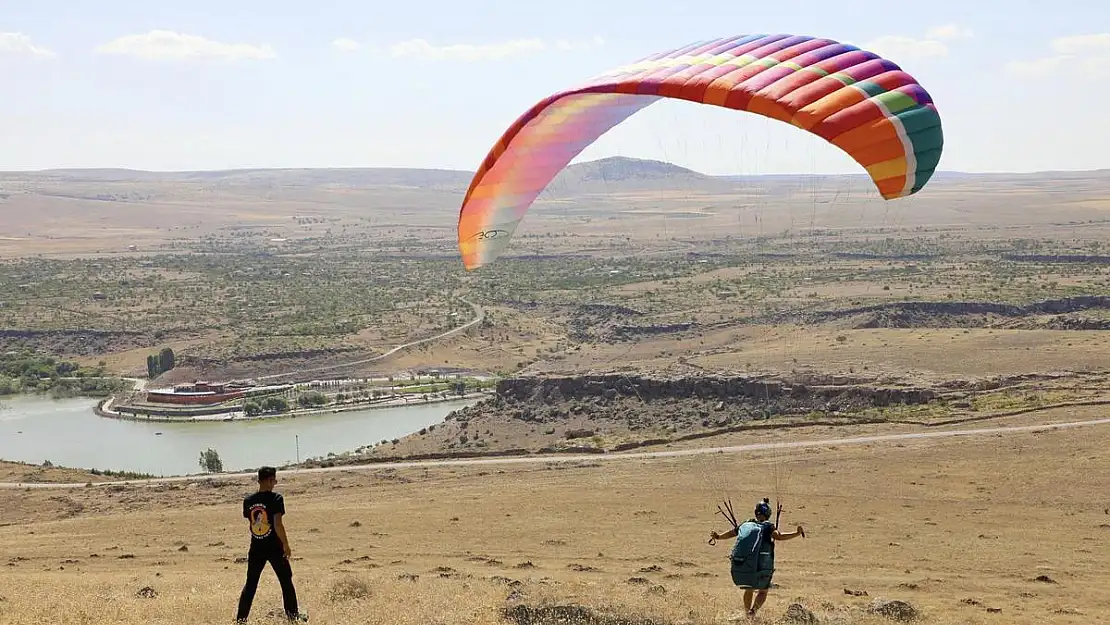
{"x": 666, "y": 311}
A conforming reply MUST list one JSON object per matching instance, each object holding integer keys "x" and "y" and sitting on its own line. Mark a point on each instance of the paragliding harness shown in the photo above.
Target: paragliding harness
{"x": 745, "y": 553}
{"x": 746, "y": 556}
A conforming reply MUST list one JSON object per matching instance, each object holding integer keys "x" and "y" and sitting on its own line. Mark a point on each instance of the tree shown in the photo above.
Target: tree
{"x": 274, "y": 404}
{"x": 65, "y": 368}
{"x": 210, "y": 461}
{"x": 163, "y": 361}
{"x": 166, "y": 360}
{"x": 312, "y": 399}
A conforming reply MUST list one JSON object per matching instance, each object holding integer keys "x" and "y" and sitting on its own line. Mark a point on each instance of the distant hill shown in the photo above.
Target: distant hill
{"x": 606, "y": 170}
{"x": 618, "y": 168}
{"x": 92, "y": 210}
{"x": 351, "y": 176}
{"x": 613, "y": 174}
{"x": 619, "y": 174}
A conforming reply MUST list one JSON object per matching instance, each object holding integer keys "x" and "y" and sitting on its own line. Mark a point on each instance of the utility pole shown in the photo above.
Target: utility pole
{"x": 297, "y": 437}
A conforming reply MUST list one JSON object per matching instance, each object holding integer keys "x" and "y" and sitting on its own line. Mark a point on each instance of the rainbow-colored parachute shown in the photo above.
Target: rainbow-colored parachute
{"x": 864, "y": 104}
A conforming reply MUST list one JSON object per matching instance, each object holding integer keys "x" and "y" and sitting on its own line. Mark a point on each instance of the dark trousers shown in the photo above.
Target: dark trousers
{"x": 256, "y": 562}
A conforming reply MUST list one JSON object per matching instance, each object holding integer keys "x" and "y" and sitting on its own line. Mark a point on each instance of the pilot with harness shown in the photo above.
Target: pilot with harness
{"x": 753, "y": 555}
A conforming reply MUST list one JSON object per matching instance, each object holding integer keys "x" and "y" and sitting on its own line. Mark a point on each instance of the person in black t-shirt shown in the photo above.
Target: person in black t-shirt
{"x": 265, "y": 510}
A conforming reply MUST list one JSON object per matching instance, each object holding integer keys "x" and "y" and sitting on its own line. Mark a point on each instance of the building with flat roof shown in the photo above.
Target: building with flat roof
{"x": 202, "y": 393}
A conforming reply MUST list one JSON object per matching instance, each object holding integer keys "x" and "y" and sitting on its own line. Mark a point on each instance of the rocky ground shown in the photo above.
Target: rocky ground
{"x": 615, "y": 412}
{"x": 33, "y": 473}
{"x": 922, "y": 531}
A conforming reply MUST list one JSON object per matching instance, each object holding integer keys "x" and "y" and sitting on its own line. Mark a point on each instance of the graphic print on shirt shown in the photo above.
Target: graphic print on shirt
{"x": 260, "y": 521}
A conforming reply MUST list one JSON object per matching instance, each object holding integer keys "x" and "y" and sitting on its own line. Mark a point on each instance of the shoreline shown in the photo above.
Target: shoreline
{"x": 46, "y": 395}
{"x": 518, "y": 459}
{"x": 644, "y": 448}
{"x": 103, "y": 408}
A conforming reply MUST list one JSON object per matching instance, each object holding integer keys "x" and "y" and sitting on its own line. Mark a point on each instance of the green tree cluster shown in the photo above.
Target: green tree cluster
{"x": 312, "y": 399}
{"x": 157, "y": 364}
{"x": 29, "y": 371}
{"x": 272, "y": 404}
{"x": 210, "y": 461}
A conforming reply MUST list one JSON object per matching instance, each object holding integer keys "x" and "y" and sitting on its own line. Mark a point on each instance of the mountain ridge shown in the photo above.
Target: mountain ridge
{"x": 602, "y": 180}
{"x": 606, "y": 169}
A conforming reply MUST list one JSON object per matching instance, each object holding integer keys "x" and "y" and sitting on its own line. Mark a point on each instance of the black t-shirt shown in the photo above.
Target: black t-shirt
{"x": 260, "y": 509}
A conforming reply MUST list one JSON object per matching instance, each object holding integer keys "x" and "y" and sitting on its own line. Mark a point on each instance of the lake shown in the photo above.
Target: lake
{"x": 67, "y": 433}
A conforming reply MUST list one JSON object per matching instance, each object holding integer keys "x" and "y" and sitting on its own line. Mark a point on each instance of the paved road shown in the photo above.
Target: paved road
{"x": 647, "y": 455}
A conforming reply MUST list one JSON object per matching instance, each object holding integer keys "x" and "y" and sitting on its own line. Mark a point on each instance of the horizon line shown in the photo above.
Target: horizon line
{"x": 49, "y": 170}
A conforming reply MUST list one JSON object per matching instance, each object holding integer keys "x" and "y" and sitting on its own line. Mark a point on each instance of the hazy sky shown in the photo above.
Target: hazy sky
{"x": 212, "y": 84}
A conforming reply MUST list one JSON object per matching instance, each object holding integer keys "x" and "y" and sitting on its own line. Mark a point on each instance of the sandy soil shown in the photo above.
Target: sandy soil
{"x": 947, "y": 525}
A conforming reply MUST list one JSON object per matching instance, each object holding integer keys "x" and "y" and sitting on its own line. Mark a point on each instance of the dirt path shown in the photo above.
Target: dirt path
{"x": 859, "y": 440}
{"x": 479, "y": 316}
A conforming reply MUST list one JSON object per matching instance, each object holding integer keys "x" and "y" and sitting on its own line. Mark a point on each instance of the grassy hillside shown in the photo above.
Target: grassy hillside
{"x": 942, "y": 524}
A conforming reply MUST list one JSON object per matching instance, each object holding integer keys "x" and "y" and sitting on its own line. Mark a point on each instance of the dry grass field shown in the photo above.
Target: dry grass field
{"x": 922, "y": 353}
{"x": 961, "y": 529}
{"x": 256, "y": 273}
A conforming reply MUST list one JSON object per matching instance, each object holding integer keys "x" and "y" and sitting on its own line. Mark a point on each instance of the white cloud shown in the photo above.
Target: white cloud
{"x": 897, "y": 47}
{"x": 346, "y": 45}
{"x": 1084, "y": 54}
{"x": 932, "y": 44}
{"x": 949, "y": 32}
{"x": 169, "y": 45}
{"x": 422, "y": 49}
{"x": 1081, "y": 44}
{"x": 589, "y": 44}
{"x": 419, "y": 48}
{"x": 18, "y": 44}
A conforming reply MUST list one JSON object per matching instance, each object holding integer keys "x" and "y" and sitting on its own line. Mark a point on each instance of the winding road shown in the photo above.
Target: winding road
{"x": 479, "y": 316}
{"x": 649, "y": 455}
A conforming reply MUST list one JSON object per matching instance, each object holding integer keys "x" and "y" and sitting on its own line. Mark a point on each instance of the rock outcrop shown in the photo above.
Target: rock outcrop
{"x": 960, "y": 314}
{"x": 784, "y": 396}
{"x": 74, "y": 342}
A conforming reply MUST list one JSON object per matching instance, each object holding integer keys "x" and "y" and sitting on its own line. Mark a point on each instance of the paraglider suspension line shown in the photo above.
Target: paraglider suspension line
{"x": 778, "y": 515}
{"x": 729, "y": 515}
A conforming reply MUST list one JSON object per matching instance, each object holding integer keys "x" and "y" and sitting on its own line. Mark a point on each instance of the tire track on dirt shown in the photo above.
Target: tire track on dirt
{"x": 479, "y": 316}
{"x": 609, "y": 457}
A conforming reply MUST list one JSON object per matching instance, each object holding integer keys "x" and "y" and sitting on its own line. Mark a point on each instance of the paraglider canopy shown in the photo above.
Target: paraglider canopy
{"x": 862, "y": 103}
